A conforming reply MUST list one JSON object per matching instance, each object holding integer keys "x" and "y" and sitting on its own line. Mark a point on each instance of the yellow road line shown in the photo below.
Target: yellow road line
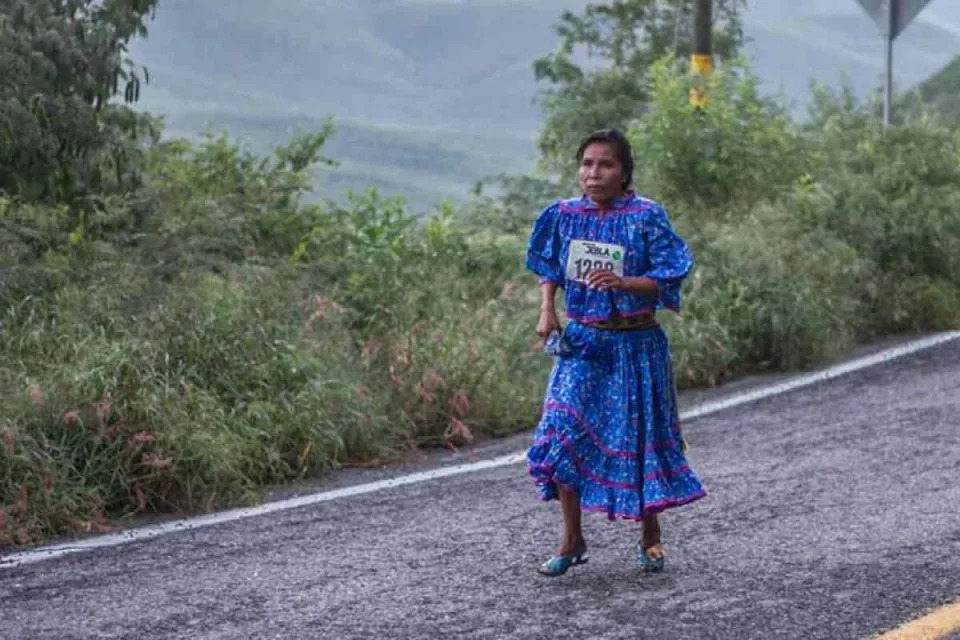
{"x": 933, "y": 626}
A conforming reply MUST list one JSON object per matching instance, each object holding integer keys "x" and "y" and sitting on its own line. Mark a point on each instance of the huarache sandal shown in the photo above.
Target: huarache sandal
{"x": 558, "y": 564}
{"x": 652, "y": 559}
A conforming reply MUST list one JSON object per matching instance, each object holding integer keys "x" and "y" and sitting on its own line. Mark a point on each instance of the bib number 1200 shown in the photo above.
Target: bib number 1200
{"x": 585, "y": 266}
{"x": 585, "y": 256}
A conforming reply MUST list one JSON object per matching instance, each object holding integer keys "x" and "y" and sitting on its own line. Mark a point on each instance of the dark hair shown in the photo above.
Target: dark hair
{"x": 621, "y": 148}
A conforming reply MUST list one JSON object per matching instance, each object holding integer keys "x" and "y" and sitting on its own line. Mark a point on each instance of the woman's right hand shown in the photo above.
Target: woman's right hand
{"x": 547, "y": 323}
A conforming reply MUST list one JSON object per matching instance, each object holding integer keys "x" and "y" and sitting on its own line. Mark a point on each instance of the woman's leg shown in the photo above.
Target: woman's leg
{"x": 572, "y": 546}
{"x": 650, "y": 555}
{"x": 572, "y": 533}
{"x": 651, "y": 530}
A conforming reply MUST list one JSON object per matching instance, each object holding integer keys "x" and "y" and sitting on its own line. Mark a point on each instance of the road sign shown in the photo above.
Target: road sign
{"x": 892, "y": 23}
{"x": 892, "y": 17}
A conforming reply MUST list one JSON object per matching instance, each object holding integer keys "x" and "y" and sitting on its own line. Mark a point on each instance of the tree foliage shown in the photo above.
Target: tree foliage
{"x": 599, "y": 75}
{"x": 62, "y": 135}
{"x": 740, "y": 150}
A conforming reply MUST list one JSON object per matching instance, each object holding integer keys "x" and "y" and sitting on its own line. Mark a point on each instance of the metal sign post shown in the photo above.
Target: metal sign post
{"x": 892, "y": 17}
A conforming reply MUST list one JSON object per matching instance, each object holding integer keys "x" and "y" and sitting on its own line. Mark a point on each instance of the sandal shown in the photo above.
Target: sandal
{"x": 652, "y": 559}
{"x": 557, "y": 565}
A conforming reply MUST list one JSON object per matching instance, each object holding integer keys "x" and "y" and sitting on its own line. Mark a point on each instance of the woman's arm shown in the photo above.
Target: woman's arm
{"x": 548, "y": 321}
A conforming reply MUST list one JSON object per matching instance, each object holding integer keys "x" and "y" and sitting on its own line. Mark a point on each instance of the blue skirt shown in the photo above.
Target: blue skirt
{"x": 609, "y": 429}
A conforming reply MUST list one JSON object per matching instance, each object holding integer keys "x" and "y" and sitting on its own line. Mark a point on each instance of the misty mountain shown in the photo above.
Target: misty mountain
{"x": 942, "y": 91}
{"x": 430, "y": 95}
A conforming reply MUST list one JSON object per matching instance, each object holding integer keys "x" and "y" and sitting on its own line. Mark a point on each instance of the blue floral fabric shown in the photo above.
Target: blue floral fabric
{"x": 641, "y": 226}
{"x": 609, "y": 428}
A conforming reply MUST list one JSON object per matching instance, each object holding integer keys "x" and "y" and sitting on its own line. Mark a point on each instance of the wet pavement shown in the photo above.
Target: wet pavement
{"x": 833, "y": 512}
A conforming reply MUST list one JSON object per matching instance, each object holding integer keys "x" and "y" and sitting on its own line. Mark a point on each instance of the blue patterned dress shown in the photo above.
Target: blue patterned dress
{"x": 609, "y": 428}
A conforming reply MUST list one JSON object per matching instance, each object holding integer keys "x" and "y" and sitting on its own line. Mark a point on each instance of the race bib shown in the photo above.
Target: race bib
{"x": 585, "y": 256}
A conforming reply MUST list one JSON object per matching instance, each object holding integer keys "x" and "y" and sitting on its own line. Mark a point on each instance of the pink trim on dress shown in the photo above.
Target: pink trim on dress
{"x": 652, "y": 476}
{"x": 579, "y": 417}
{"x": 650, "y": 509}
{"x": 583, "y": 205}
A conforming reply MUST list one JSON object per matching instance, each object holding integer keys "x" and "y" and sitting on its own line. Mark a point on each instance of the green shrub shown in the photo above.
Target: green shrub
{"x": 227, "y": 385}
{"x": 767, "y": 295}
{"x": 893, "y": 195}
{"x": 740, "y": 150}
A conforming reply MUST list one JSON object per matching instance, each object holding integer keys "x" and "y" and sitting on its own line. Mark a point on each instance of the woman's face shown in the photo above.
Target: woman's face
{"x": 601, "y": 174}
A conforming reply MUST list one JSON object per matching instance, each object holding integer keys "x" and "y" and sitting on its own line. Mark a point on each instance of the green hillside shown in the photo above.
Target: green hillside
{"x": 423, "y": 165}
{"x": 942, "y": 91}
{"x": 453, "y": 78}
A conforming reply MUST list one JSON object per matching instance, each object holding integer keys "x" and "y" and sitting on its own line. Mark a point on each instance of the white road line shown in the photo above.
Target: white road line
{"x": 187, "y": 524}
{"x": 821, "y": 376}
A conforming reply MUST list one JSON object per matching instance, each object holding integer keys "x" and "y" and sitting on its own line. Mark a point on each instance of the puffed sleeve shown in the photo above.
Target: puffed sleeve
{"x": 670, "y": 259}
{"x": 543, "y": 248}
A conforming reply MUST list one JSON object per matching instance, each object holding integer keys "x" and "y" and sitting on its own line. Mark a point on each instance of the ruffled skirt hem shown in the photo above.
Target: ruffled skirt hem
{"x": 609, "y": 428}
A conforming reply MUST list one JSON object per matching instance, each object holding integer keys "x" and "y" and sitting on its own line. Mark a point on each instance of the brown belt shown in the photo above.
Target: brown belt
{"x": 643, "y": 321}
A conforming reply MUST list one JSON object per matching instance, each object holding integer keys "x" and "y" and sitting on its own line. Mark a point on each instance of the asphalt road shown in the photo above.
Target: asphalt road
{"x": 834, "y": 512}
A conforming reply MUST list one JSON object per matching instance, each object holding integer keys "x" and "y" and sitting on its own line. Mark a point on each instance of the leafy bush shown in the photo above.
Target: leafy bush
{"x": 354, "y": 332}
{"x": 718, "y": 159}
{"x": 768, "y": 295}
{"x": 892, "y": 195}
{"x": 629, "y": 36}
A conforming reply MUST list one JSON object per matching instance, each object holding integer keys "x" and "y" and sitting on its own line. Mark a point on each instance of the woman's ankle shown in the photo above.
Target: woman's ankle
{"x": 651, "y": 533}
{"x": 570, "y": 544}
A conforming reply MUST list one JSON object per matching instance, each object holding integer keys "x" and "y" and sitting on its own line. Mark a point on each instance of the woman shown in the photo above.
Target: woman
{"x": 609, "y": 440}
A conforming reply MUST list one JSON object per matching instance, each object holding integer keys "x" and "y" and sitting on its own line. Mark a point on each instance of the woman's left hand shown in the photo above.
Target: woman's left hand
{"x": 604, "y": 280}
